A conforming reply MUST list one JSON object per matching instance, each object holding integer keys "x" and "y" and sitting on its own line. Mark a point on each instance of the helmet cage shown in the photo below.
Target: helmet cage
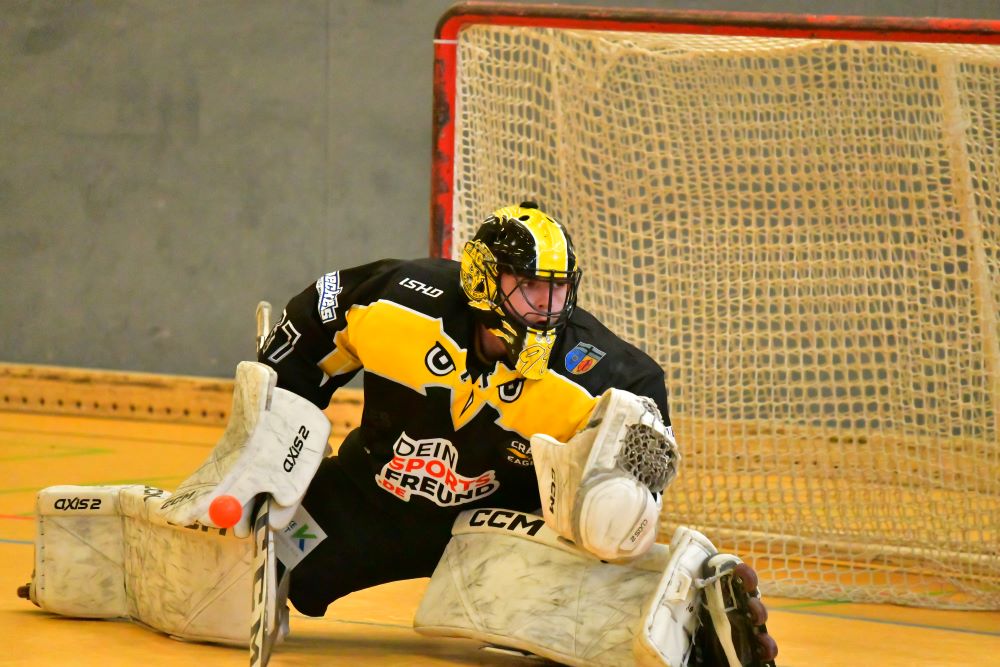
{"x": 522, "y": 242}
{"x": 548, "y": 314}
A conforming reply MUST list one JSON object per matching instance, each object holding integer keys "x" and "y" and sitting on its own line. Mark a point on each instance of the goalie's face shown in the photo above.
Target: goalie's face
{"x": 538, "y": 302}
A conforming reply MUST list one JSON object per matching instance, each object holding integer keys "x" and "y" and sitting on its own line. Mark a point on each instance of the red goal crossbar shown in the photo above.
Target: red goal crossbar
{"x": 860, "y": 28}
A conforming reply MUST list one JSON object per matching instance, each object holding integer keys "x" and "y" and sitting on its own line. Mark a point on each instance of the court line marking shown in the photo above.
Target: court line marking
{"x": 122, "y": 438}
{"x": 921, "y": 626}
{"x": 34, "y": 489}
{"x": 92, "y": 451}
{"x": 882, "y": 621}
{"x": 770, "y": 609}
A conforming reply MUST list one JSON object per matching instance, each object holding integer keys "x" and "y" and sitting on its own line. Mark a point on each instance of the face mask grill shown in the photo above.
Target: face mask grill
{"x": 519, "y": 273}
{"x": 542, "y": 301}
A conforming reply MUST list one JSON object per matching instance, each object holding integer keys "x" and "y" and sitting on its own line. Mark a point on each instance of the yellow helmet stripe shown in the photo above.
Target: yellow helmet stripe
{"x": 552, "y": 249}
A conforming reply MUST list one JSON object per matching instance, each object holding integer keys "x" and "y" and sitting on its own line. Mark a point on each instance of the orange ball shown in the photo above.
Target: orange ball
{"x": 225, "y": 511}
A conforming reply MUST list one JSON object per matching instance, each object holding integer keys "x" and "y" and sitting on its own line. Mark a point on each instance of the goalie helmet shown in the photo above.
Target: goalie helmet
{"x": 529, "y": 245}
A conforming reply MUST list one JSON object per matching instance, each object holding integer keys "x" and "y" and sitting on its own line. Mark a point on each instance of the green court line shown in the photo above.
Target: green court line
{"x": 21, "y": 489}
{"x": 35, "y": 489}
{"x": 146, "y": 480}
{"x": 811, "y": 603}
{"x": 91, "y": 451}
{"x": 882, "y": 621}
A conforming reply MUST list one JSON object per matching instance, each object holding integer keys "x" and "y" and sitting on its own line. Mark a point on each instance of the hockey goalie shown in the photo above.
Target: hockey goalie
{"x": 511, "y": 448}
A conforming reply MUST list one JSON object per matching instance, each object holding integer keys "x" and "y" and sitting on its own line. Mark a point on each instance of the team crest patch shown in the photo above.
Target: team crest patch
{"x": 519, "y": 453}
{"x": 582, "y": 358}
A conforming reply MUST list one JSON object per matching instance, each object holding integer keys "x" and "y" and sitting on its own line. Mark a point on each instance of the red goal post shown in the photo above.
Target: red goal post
{"x": 799, "y": 218}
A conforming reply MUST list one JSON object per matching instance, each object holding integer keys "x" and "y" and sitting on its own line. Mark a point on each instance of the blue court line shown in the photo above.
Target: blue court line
{"x": 865, "y": 619}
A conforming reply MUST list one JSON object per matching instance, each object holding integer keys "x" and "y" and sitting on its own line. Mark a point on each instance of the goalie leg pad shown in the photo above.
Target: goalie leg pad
{"x": 273, "y": 443}
{"x": 79, "y": 552}
{"x": 107, "y": 552}
{"x": 193, "y": 583}
{"x": 508, "y": 579}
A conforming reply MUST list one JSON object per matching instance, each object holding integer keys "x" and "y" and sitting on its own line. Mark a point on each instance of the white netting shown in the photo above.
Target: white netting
{"x": 648, "y": 457}
{"x": 806, "y": 235}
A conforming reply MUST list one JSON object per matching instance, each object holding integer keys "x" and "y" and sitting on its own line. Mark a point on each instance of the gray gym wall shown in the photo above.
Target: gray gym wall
{"x": 168, "y": 163}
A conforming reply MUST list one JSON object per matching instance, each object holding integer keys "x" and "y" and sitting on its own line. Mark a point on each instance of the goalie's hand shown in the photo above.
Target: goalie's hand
{"x": 603, "y": 489}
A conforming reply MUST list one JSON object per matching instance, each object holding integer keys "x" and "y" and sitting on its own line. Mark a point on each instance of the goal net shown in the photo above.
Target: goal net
{"x": 801, "y": 223}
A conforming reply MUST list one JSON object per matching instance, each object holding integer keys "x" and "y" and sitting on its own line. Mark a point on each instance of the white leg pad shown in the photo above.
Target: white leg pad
{"x": 669, "y": 618}
{"x": 506, "y": 578}
{"x": 79, "y": 552}
{"x": 193, "y": 583}
{"x": 108, "y": 552}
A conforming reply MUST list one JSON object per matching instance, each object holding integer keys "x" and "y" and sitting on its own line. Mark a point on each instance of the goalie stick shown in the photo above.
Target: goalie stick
{"x": 264, "y": 586}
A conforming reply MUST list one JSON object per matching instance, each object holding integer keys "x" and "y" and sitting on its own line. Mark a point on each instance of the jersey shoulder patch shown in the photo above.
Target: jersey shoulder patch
{"x": 592, "y": 356}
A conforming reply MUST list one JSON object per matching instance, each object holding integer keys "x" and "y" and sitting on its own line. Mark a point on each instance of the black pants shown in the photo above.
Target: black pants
{"x": 366, "y": 545}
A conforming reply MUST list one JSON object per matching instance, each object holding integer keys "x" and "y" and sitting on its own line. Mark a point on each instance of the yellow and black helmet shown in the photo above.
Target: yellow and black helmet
{"x": 531, "y": 246}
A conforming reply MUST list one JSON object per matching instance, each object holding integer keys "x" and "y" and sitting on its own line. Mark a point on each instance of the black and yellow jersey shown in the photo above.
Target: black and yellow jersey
{"x": 442, "y": 429}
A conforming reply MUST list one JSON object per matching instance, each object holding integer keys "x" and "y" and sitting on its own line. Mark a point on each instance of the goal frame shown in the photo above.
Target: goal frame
{"x": 695, "y": 22}
{"x": 837, "y": 379}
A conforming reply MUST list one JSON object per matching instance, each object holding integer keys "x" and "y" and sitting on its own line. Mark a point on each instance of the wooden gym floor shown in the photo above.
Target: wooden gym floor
{"x": 371, "y": 627}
